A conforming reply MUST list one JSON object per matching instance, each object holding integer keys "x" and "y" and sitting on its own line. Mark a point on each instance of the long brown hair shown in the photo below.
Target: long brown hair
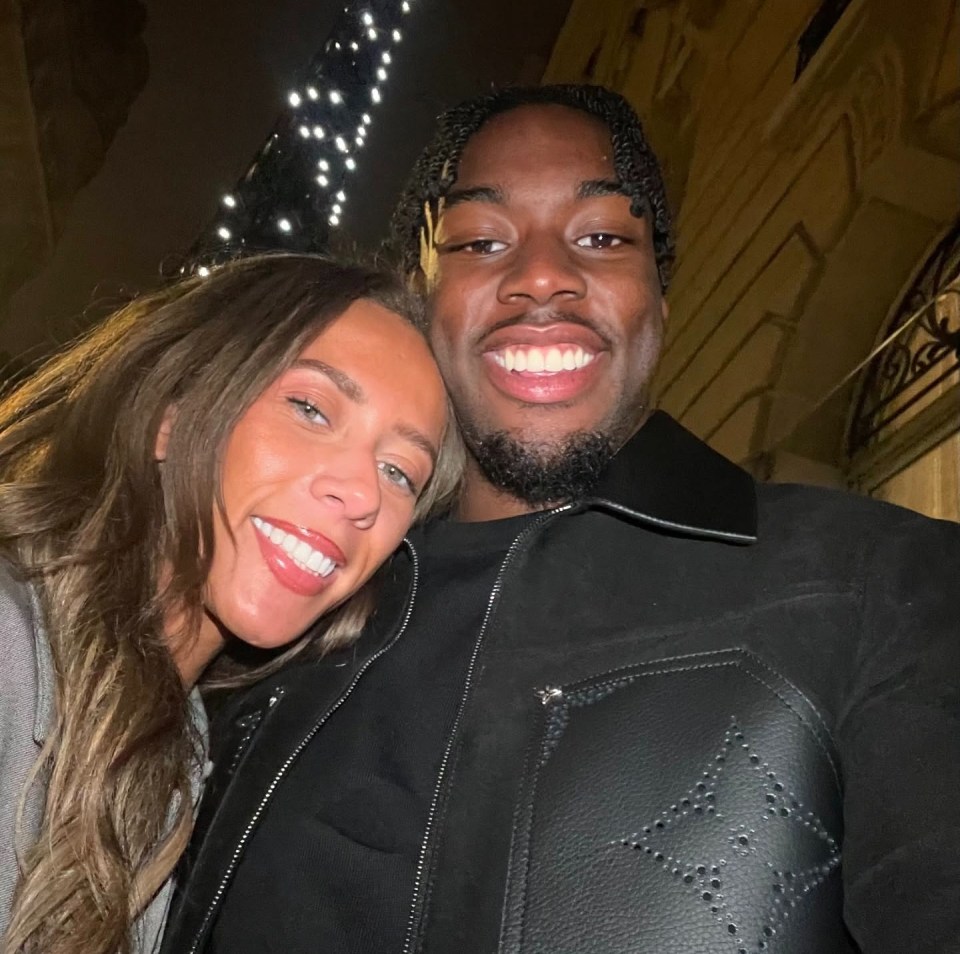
{"x": 113, "y": 543}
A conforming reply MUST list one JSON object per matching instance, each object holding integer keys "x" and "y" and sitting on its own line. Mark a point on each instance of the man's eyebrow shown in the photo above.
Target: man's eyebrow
{"x": 479, "y": 194}
{"x": 345, "y": 384}
{"x": 596, "y": 188}
{"x": 419, "y": 439}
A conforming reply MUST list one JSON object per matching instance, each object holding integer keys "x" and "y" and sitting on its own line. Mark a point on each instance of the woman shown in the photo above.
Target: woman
{"x": 230, "y": 459}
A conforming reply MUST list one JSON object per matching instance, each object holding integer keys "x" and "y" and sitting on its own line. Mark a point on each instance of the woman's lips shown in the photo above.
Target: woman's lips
{"x": 302, "y": 560}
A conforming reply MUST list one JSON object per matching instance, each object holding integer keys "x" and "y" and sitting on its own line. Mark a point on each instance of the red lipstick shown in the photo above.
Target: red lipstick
{"x": 287, "y": 571}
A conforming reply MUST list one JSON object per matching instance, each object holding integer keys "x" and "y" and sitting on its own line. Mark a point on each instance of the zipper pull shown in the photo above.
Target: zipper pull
{"x": 550, "y": 695}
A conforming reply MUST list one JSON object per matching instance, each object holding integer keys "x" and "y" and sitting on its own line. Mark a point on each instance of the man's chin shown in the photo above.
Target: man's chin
{"x": 542, "y": 470}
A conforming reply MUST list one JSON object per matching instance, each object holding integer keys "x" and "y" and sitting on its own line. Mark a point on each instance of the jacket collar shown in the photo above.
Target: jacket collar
{"x": 43, "y": 657}
{"x": 665, "y": 477}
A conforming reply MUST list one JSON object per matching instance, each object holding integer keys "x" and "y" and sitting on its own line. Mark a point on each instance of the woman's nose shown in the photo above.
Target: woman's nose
{"x": 351, "y": 483}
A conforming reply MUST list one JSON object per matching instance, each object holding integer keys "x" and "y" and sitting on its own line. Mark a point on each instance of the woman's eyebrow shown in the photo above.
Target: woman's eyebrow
{"x": 344, "y": 383}
{"x": 419, "y": 439}
{"x": 350, "y": 389}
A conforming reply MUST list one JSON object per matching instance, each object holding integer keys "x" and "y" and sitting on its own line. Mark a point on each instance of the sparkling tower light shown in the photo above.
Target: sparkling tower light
{"x": 296, "y": 190}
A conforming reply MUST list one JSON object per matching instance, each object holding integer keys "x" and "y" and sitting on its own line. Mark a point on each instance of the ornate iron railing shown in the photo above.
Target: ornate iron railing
{"x": 920, "y": 352}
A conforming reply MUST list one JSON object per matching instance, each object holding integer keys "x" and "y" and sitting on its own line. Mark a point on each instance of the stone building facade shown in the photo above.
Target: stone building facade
{"x": 812, "y": 156}
{"x": 69, "y": 71}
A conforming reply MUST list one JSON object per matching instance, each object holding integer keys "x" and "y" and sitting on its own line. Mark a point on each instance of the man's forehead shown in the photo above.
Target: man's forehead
{"x": 537, "y": 143}
{"x": 523, "y": 136}
{"x": 539, "y": 115}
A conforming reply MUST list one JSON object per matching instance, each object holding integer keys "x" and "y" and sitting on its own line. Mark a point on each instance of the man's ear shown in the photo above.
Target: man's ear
{"x": 163, "y": 434}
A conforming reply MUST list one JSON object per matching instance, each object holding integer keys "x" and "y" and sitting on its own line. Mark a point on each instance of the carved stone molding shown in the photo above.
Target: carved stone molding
{"x": 876, "y": 105}
{"x": 827, "y": 76}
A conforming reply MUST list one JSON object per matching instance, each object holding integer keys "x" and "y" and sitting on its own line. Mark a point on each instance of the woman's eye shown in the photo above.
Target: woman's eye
{"x": 396, "y": 476}
{"x": 308, "y": 410}
{"x": 600, "y": 240}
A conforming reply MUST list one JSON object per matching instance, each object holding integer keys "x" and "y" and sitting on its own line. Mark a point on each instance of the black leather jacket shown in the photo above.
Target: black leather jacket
{"x": 702, "y": 716}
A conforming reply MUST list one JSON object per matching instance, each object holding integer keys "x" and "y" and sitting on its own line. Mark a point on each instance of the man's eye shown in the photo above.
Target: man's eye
{"x": 600, "y": 240}
{"x": 479, "y": 246}
{"x": 310, "y": 411}
{"x": 396, "y": 476}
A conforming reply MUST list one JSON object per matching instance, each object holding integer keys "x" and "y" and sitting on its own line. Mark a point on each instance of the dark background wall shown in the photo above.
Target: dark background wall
{"x": 218, "y": 74}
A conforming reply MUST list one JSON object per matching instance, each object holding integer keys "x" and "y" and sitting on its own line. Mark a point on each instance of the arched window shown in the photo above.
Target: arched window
{"x": 904, "y": 433}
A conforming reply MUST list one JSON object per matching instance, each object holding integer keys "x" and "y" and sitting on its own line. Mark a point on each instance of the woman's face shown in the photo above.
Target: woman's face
{"x": 321, "y": 475}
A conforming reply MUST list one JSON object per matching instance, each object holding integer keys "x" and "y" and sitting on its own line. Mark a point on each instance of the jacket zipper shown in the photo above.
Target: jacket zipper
{"x": 417, "y": 902}
{"x": 271, "y": 788}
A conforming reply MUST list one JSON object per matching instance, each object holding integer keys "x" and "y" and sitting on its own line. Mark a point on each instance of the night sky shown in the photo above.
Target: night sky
{"x": 219, "y": 73}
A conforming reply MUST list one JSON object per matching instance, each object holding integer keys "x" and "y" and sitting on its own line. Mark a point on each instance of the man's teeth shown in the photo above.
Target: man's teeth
{"x": 538, "y": 360}
{"x": 298, "y": 550}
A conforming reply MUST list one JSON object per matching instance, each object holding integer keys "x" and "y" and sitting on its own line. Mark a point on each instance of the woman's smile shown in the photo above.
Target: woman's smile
{"x": 302, "y": 560}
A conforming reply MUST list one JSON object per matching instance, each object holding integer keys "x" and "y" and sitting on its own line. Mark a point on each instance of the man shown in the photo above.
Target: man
{"x": 624, "y": 700}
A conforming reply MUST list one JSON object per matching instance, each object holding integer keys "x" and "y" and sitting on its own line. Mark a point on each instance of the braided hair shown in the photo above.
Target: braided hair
{"x": 435, "y": 171}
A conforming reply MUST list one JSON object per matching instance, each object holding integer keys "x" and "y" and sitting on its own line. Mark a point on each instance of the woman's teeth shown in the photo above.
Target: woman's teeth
{"x": 538, "y": 360}
{"x": 298, "y": 550}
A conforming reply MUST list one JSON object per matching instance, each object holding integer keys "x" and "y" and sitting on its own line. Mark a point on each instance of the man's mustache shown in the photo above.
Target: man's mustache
{"x": 543, "y": 316}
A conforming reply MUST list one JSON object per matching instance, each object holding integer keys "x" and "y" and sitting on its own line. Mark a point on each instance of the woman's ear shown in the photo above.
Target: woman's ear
{"x": 163, "y": 434}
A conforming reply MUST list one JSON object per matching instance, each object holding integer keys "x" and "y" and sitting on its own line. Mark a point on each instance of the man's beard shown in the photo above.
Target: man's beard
{"x": 540, "y": 474}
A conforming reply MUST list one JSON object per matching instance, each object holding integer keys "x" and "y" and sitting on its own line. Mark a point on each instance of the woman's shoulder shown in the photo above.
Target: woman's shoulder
{"x": 22, "y": 639}
{"x": 16, "y": 596}
{"x": 24, "y": 678}
{"x": 18, "y": 612}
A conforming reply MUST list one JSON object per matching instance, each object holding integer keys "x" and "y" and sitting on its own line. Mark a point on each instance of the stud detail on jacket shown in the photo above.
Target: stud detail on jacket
{"x": 737, "y": 837}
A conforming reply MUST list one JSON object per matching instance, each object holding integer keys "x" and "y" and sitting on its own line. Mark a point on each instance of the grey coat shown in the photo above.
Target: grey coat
{"x": 26, "y": 711}
{"x": 26, "y": 714}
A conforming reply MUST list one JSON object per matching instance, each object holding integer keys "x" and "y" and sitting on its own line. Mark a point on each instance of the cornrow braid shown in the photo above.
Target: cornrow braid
{"x": 435, "y": 171}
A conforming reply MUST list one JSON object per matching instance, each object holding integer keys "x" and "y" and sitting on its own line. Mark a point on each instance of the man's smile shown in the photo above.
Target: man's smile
{"x": 536, "y": 360}
{"x": 544, "y": 363}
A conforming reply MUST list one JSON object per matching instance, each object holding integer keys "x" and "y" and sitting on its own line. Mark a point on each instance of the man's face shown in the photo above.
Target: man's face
{"x": 547, "y": 317}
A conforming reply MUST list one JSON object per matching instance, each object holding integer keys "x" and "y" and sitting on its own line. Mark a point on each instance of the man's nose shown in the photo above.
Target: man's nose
{"x": 541, "y": 271}
{"x": 351, "y": 485}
